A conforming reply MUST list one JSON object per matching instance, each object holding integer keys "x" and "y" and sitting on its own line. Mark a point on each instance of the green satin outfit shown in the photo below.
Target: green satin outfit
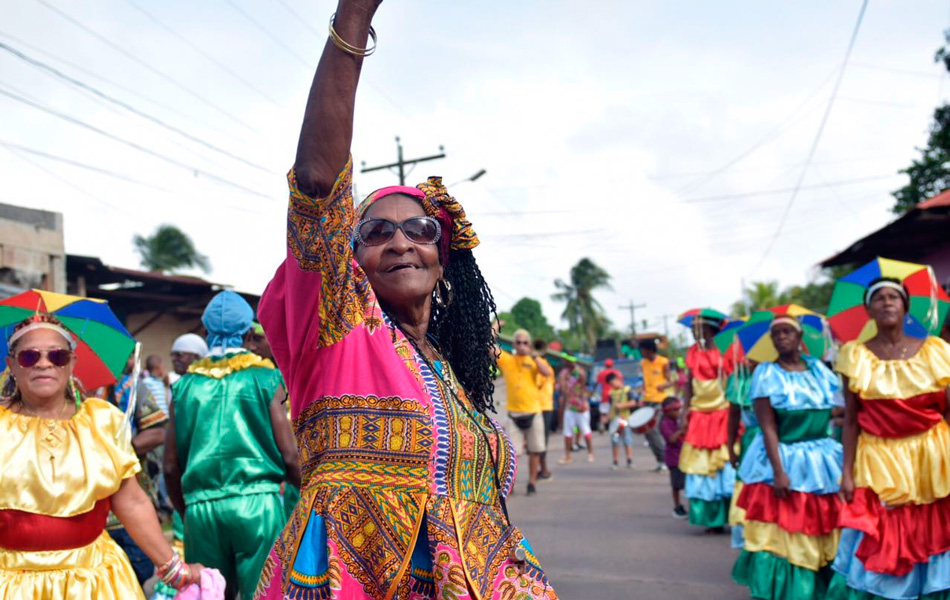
{"x": 231, "y": 465}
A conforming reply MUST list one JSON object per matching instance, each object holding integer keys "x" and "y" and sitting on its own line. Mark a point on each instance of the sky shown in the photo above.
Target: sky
{"x": 659, "y": 139}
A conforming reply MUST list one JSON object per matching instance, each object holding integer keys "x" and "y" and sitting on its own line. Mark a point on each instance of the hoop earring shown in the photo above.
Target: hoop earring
{"x": 442, "y": 294}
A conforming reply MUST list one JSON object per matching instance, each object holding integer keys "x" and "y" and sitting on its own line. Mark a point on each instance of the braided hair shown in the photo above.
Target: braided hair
{"x": 463, "y": 327}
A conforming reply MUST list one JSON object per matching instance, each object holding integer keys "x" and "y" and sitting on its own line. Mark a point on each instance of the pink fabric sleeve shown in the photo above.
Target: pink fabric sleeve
{"x": 318, "y": 293}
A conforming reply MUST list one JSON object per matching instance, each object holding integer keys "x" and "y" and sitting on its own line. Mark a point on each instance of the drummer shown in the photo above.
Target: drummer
{"x": 622, "y": 401}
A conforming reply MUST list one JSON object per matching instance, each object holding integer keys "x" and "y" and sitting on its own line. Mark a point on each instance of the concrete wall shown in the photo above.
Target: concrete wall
{"x": 32, "y": 251}
{"x": 159, "y": 336}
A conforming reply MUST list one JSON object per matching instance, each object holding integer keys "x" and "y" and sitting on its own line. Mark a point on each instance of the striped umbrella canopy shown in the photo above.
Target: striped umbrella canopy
{"x": 690, "y": 316}
{"x": 104, "y": 345}
{"x": 929, "y": 303}
{"x": 753, "y": 336}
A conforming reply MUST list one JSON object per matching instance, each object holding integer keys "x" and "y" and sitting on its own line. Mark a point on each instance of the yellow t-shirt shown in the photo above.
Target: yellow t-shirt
{"x": 546, "y": 388}
{"x": 654, "y": 375}
{"x": 521, "y": 381}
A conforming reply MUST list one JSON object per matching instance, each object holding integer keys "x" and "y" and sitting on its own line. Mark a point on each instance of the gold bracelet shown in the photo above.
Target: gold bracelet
{"x": 349, "y": 48}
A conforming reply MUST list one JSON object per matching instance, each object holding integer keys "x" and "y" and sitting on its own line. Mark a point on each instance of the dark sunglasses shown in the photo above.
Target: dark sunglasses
{"x": 60, "y": 357}
{"x": 418, "y": 230}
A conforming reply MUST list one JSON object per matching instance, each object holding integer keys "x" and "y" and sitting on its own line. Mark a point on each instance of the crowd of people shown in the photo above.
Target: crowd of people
{"x": 341, "y": 441}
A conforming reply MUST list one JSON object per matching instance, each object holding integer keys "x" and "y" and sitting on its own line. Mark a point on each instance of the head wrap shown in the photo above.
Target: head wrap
{"x": 884, "y": 283}
{"x": 227, "y": 318}
{"x": 785, "y": 320}
{"x": 191, "y": 343}
{"x": 41, "y": 321}
{"x": 436, "y": 203}
{"x": 609, "y": 363}
{"x": 257, "y": 328}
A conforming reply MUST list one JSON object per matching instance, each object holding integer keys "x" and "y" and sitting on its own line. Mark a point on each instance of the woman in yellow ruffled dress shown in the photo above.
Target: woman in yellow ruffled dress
{"x": 895, "y": 541}
{"x": 63, "y": 463}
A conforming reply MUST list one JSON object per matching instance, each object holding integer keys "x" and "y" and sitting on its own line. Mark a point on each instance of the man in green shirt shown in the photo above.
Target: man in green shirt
{"x": 229, "y": 446}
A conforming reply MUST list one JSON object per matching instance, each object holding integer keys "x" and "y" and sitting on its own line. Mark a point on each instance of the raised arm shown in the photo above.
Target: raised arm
{"x": 327, "y": 131}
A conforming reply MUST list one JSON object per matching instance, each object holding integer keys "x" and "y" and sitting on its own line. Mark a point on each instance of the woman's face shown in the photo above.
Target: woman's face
{"x": 786, "y": 338}
{"x": 401, "y": 272}
{"x": 887, "y": 307}
{"x": 44, "y": 380}
{"x": 704, "y": 331}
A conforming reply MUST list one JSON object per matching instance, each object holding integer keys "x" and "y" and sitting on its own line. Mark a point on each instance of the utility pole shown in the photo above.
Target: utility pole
{"x": 633, "y": 315}
{"x": 402, "y": 163}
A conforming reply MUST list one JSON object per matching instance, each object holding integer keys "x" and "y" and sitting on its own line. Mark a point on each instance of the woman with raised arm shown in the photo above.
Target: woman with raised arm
{"x": 895, "y": 537}
{"x": 382, "y": 325}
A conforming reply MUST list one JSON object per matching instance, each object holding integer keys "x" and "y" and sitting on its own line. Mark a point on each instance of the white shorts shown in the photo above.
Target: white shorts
{"x": 531, "y": 438}
{"x": 579, "y": 420}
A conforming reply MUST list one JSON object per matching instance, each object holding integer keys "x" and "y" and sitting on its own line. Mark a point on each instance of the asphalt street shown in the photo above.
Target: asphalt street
{"x": 609, "y": 535}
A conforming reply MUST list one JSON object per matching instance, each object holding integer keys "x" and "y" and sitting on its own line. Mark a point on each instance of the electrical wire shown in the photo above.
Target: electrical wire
{"x": 15, "y": 152}
{"x": 197, "y": 171}
{"x": 81, "y": 165}
{"x": 274, "y": 38}
{"x": 206, "y": 55}
{"x": 144, "y": 64}
{"x": 115, "y": 84}
{"x": 794, "y": 190}
{"x": 104, "y": 96}
{"x": 814, "y": 145}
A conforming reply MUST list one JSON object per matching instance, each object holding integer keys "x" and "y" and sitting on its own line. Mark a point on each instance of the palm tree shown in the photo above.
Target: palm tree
{"x": 583, "y": 313}
{"x": 757, "y": 296}
{"x": 169, "y": 249}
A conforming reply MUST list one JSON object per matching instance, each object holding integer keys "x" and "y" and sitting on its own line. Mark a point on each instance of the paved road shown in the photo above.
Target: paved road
{"x": 608, "y": 535}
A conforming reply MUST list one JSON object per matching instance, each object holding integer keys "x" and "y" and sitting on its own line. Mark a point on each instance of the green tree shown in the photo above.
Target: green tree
{"x": 816, "y": 294}
{"x": 169, "y": 249}
{"x": 930, "y": 174}
{"x": 527, "y": 313}
{"x": 758, "y": 295}
{"x": 583, "y": 313}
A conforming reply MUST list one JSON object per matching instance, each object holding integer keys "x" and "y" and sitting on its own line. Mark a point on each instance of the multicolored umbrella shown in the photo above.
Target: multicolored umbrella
{"x": 728, "y": 344}
{"x": 688, "y": 317}
{"x": 104, "y": 344}
{"x": 754, "y": 338}
{"x": 929, "y": 303}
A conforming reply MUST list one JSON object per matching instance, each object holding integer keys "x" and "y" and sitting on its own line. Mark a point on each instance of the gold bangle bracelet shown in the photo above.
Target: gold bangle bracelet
{"x": 349, "y": 48}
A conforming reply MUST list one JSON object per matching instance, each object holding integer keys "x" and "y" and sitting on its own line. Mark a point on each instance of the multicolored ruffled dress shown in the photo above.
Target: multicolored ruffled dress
{"x": 895, "y": 541}
{"x": 790, "y": 542}
{"x": 56, "y": 479}
{"x": 403, "y": 481}
{"x": 738, "y": 386}
{"x": 704, "y": 458}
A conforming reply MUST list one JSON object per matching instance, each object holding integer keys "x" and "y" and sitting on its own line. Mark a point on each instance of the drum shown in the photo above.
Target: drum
{"x": 617, "y": 425}
{"x": 643, "y": 419}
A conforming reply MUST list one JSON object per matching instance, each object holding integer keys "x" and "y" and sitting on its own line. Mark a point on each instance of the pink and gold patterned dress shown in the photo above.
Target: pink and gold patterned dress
{"x": 403, "y": 482}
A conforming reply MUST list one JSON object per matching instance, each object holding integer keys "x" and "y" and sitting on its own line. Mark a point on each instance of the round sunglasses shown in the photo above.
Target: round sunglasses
{"x": 59, "y": 357}
{"x": 419, "y": 230}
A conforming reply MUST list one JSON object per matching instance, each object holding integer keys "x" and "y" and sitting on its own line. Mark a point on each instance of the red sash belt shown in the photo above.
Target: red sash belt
{"x": 29, "y": 532}
{"x": 896, "y": 418}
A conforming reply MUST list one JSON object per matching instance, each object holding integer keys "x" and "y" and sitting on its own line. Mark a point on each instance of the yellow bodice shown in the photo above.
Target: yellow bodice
{"x": 61, "y": 468}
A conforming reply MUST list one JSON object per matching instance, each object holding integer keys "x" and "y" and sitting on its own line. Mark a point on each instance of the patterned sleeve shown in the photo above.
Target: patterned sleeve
{"x": 147, "y": 412}
{"x": 318, "y": 295}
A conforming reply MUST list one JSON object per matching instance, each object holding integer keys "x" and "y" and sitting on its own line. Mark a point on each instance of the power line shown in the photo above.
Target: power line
{"x": 114, "y": 84}
{"x": 300, "y": 19}
{"x": 814, "y": 145}
{"x": 140, "y": 148}
{"x": 100, "y": 94}
{"x": 147, "y": 66}
{"x": 815, "y": 186}
{"x": 274, "y": 38}
{"x": 74, "y": 163}
{"x": 208, "y": 56}
{"x": 58, "y": 177}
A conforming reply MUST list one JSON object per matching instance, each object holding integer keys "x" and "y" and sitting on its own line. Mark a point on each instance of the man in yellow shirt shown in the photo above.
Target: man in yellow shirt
{"x": 521, "y": 371}
{"x": 656, "y": 382}
{"x": 546, "y": 385}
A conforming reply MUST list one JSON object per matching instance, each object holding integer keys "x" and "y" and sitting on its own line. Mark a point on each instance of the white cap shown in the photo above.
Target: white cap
{"x": 191, "y": 343}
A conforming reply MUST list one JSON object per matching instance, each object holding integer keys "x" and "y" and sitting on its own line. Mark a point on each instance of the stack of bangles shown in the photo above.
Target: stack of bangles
{"x": 174, "y": 573}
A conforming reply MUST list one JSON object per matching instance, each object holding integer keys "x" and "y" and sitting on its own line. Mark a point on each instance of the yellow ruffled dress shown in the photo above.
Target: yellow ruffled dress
{"x": 56, "y": 478}
{"x": 895, "y": 539}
